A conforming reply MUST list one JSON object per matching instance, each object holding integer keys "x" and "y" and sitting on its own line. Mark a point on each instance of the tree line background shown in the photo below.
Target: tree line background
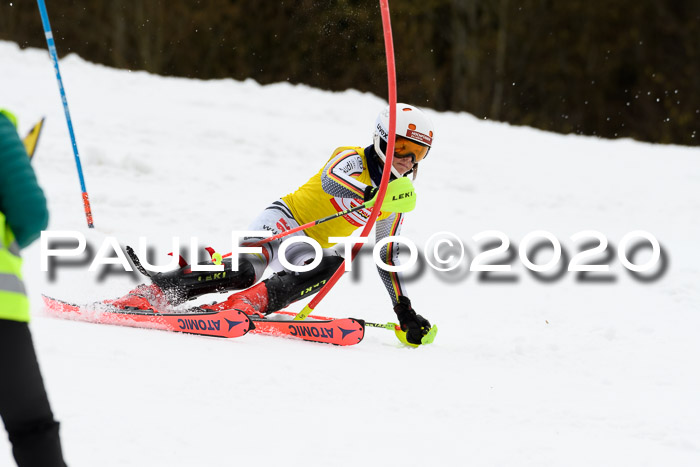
{"x": 626, "y": 68}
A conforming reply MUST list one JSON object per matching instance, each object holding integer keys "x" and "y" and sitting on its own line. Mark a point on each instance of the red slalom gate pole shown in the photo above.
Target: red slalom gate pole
{"x": 391, "y": 77}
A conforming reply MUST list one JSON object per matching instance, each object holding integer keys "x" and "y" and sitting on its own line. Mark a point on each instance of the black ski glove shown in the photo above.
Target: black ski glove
{"x": 370, "y": 192}
{"x": 415, "y": 325}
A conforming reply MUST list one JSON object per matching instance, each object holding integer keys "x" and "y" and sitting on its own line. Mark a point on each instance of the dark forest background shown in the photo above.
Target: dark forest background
{"x": 621, "y": 68}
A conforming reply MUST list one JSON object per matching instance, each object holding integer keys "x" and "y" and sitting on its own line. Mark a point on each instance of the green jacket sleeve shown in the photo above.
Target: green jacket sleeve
{"x": 21, "y": 199}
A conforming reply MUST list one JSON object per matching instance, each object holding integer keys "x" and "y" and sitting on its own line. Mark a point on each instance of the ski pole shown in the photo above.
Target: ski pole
{"x": 403, "y": 199}
{"x": 54, "y": 56}
{"x": 389, "y": 326}
{"x": 309, "y": 224}
{"x": 303, "y": 227}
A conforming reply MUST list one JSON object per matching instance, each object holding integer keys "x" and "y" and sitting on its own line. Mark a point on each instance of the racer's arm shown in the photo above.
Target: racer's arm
{"x": 389, "y": 254}
{"x": 414, "y": 324}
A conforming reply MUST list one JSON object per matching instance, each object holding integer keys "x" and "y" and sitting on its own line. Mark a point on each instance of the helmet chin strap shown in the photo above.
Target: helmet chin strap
{"x": 377, "y": 147}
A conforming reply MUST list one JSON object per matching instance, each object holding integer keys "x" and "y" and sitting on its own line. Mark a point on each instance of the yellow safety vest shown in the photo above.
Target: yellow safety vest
{"x": 14, "y": 304}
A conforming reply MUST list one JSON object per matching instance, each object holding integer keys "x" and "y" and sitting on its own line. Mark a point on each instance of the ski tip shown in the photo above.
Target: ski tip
{"x": 56, "y": 307}
{"x": 50, "y": 301}
{"x": 47, "y": 300}
{"x": 136, "y": 261}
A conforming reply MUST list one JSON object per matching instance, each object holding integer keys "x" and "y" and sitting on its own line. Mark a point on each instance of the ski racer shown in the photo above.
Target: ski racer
{"x": 349, "y": 178}
{"x": 24, "y": 406}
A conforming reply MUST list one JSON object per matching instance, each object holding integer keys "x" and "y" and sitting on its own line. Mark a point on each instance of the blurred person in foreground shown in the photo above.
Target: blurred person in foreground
{"x": 24, "y": 405}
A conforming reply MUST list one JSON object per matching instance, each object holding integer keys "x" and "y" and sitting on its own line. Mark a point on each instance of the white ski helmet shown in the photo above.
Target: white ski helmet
{"x": 411, "y": 123}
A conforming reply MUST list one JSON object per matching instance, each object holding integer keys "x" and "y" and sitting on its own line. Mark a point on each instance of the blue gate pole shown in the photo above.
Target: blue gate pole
{"x": 54, "y": 57}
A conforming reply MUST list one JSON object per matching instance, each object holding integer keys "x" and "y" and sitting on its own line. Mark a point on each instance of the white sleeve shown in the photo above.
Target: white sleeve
{"x": 337, "y": 176}
{"x": 389, "y": 254}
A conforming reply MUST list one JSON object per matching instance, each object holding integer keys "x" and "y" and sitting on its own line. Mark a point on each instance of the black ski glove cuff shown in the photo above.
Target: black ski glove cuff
{"x": 370, "y": 192}
{"x": 414, "y": 324}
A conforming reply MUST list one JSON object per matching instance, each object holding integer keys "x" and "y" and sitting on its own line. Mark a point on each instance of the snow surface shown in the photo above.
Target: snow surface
{"x": 525, "y": 373}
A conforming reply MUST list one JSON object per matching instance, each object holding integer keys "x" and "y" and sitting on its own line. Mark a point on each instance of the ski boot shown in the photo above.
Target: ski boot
{"x": 183, "y": 284}
{"x": 282, "y": 289}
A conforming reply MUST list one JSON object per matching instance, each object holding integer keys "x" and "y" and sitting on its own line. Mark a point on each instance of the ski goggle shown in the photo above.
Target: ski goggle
{"x": 405, "y": 147}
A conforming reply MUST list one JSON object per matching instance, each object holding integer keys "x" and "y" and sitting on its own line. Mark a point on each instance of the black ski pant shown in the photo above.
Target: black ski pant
{"x": 24, "y": 406}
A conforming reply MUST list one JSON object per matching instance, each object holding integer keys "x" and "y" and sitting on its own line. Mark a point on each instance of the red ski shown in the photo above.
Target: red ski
{"x": 340, "y": 331}
{"x": 196, "y": 320}
{"x": 337, "y": 331}
{"x": 210, "y": 320}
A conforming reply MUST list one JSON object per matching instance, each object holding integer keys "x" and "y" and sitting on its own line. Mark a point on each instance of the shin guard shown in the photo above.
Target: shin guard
{"x": 285, "y": 288}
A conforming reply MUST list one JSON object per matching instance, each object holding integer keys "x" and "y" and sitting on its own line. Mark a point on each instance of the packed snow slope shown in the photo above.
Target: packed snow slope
{"x": 524, "y": 371}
